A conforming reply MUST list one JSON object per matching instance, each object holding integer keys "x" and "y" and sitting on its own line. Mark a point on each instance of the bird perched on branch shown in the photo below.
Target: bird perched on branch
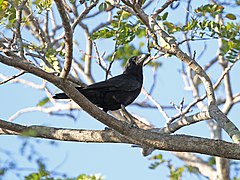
{"x": 116, "y": 91}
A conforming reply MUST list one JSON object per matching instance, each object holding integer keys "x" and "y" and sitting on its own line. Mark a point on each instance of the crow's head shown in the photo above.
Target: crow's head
{"x": 135, "y": 63}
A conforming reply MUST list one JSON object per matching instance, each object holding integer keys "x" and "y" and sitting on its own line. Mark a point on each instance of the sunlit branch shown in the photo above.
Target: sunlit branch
{"x": 68, "y": 39}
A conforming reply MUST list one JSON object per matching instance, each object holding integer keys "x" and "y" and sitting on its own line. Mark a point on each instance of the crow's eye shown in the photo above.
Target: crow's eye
{"x": 133, "y": 59}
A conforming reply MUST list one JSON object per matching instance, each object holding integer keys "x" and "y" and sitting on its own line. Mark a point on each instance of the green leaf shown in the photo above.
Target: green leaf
{"x": 2, "y": 171}
{"x": 3, "y": 5}
{"x": 43, "y": 5}
{"x": 159, "y": 160}
{"x": 102, "y": 6}
{"x": 43, "y": 101}
{"x": 89, "y": 177}
{"x": 32, "y": 176}
{"x": 192, "y": 169}
{"x": 103, "y": 33}
{"x": 212, "y": 9}
{"x": 154, "y": 165}
{"x": 211, "y": 161}
{"x": 165, "y": 15}
{"x": 159, "y": 157}
{"x": 231, "y": 16}
{"x": 125, "y": 15}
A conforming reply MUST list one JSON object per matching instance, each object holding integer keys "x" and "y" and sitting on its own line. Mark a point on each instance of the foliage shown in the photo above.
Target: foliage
{"x": 42, "y": 173}
{"x": 120, "y": 29}
{"x": 89, "y": 177}
{"x": 43, "y": 5}
{"x": 174, "y": 172}
{"x": 7, "y": 13}
{"x": 202, "y": 26}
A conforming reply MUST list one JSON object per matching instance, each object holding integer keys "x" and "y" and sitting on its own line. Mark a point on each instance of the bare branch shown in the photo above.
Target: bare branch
{"x": 88, "y": 54}
{"x": 160, "y": 109}
{"x": 168, "y": 142}
{"x": 18, "y": 27}
{"x": 164, "y": 6}
{"x": 78, "y": 67}
{"x": 100, "y": 61}
{"x": 185, "y": 121}
{"x": 224, "y": 73}
{"x": 13, "y": 77}
{"x": 23, "y": 81}
{"x": 83, "y": 14}
{"x": 58, "y": 107}
{"x": 68, "y": 39}
{"x": 34, "y": 26}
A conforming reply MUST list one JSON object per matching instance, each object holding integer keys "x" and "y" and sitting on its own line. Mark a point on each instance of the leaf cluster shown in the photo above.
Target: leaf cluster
{"x": 7, "y": 13}
{"x": 120, "y": 29}
{"x": 174, "y": 172}
{"x": 43, "y": 5}
{"x": 201, "y": 26}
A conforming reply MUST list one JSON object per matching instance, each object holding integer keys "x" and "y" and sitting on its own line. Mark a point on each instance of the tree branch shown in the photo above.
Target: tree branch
{"x": 164, "y": 6}
{"x": 68, "y": 39}
{"x": 162, "y": 141}
{"x": 12, "y": 77}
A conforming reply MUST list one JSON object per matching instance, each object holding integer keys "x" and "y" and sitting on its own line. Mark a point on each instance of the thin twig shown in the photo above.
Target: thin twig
{"x": 18, "y": 27}
{"x": 25, "y": 82}
{"x": 110, "y": 64}
{"x": 100, "y": 60}
{"x": 13, "y": 77}
{"x": 83, "y": 14}
{"x": 161, "y": 110}
{"x": 164, "y": 6}
{"x": 58, "y": 107}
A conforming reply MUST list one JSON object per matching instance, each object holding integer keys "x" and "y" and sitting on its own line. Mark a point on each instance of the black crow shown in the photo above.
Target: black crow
{"x": 116, "y": 91}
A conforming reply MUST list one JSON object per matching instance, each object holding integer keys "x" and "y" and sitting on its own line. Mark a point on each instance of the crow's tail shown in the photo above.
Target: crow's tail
{"x": 60, "y": 96}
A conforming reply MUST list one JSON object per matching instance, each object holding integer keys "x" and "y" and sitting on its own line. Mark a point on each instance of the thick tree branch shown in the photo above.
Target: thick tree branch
{"x": 162, "y": 141}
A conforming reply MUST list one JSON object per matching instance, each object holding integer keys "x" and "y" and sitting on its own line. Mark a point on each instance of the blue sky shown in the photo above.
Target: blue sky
{"x": 113, "y": 161}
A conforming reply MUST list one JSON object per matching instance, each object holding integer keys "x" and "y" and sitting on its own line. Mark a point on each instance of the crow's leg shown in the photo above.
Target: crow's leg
{"x": 128, "y": 116}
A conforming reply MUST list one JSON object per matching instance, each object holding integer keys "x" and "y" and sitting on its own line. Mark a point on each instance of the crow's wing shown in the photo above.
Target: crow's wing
{"x": 118, "y": 83}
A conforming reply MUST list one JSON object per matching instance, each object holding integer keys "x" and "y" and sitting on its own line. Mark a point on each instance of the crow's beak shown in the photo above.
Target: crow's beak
{"x": 142, "y": 58}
